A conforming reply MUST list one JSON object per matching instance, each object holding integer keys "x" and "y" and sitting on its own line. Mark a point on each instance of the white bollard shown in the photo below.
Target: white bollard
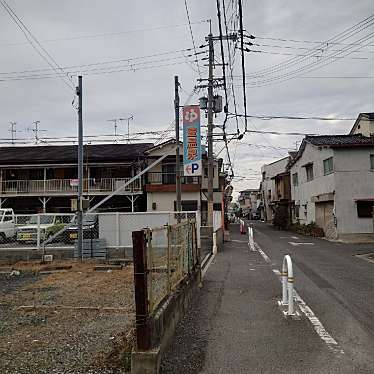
{"x": 214, "y": 243}
{"x": 287, "y": 285}
{"x": 251, "y": 242}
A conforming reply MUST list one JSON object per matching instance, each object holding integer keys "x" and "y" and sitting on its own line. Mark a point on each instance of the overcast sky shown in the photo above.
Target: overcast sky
{"x": 143, "y": 28}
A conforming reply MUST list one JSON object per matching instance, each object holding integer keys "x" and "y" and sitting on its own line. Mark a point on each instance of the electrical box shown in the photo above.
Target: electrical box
{"x": 154, "y": 206}
{"x": 217, "y": 104}
{"x": 203, "y": 103}
{"x": 85, "y": 204}
{"x": 74, "y": 205}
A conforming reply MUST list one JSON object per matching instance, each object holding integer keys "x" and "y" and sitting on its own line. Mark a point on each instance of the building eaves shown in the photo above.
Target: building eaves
{"x": 334, "y": 141}
{"x": 366, "y": 116}
{"x": 61, "y": 154}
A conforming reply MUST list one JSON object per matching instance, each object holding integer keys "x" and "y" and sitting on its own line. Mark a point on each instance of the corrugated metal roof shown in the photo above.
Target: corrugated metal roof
{"x": 60, "y": 154}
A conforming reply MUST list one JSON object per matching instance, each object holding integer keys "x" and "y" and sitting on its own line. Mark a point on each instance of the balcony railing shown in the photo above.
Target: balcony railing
{"x": 66, "y": 186}
{"x": 170, "y": 178}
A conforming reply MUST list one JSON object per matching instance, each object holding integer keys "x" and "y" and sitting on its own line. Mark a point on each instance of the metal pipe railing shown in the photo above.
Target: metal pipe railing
{"x": 287, "y": 285}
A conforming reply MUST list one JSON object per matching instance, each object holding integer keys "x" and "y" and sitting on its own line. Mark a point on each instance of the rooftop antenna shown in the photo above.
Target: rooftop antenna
{"x": 13, "y": 131}
{"x": 36, "y": 131}
{"x": 114, "y": 120}
{"x": 128, "y": 125}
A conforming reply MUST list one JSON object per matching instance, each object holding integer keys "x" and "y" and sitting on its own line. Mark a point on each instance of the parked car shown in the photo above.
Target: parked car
{"x": 48, "y": 226}
{"x": 90, "y": 226}
{"x": 7, "y": 224}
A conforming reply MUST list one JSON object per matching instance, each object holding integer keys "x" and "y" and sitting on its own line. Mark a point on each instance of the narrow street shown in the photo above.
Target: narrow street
{"x": 336, "y": 284}
{"x": 235, "y": 324}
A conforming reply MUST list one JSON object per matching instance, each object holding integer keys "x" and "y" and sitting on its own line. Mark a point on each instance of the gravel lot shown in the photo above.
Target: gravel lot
{"x": 76, "y": 321}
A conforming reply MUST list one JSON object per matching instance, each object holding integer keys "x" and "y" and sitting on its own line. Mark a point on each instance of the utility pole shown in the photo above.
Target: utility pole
{"x": 13, "y": 130}
{"x": 210, "y": 131}
{"x": 80, "y": 170}
{"x": 177, "y": 155}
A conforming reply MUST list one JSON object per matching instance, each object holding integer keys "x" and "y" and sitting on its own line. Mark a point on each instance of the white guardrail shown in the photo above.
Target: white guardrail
{"x": 287, "y": 286}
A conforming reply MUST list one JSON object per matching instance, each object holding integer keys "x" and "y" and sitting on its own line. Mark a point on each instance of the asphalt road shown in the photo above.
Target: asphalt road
{"x": 336, "y": 284}
{"x": 235, "y": 325}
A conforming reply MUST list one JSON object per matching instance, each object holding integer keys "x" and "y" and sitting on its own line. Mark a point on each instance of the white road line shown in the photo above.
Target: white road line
{"x": 296, "y": 244}
{"x": 331, "y": 343}
{"x": 262, "y": 253}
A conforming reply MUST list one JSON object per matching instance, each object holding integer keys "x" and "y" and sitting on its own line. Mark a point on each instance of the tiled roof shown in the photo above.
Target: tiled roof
{"x": 340, "y": 140}
{"x": 60, "y": 154}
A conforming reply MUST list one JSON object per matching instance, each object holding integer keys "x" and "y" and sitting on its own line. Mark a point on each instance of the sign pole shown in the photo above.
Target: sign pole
{"x": 177, "y": 155}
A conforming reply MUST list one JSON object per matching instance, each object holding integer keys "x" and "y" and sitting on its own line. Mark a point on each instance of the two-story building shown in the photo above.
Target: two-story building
{"x": 249, "y": 201}
{"x": 332, "y": 184}
{"x": 161, "y": 183}
{"x": 273, "y": 186}
{"x": 44, "y": 178}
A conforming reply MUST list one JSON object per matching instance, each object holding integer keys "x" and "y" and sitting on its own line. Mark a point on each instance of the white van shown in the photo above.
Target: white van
{"x": 7, "y": 224}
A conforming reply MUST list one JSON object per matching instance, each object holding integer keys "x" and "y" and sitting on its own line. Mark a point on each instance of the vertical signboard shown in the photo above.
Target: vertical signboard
{"x": 192, "y": 164}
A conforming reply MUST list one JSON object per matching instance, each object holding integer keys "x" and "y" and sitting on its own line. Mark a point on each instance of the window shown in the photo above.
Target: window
{"x": 328, "y": 166}
{"x": 365, "y": 209}
{"x": 372, "y": 162}
{"x": 187, "y": 205}
{"x": 168, "y": 174}
{"x": 297, "y": 211}
{"x": 309, "y": 172}
{"x": 295, "y": 179}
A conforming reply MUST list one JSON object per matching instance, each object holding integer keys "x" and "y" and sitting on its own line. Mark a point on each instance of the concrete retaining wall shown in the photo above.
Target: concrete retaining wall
{"x": 163, "y": 324}
{"x": 220, "y": 239}
{"x": 13, "y": 255}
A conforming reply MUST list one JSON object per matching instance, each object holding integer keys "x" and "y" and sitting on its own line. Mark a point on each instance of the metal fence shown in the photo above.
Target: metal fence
{"x": 58, "y": 231}
{"x": 171, "y": 255}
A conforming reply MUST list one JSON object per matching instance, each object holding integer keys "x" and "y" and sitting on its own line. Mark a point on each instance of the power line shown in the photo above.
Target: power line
{"x": 243, "y": 62}
{"x": 103, "y": 71}
{"x": 271, "y": 117}
{"x": 115, "y": 61}
{"x": 305, "y": 55}
{"x": 231, "y": 64}
{"x": 307, "y": 41}
{"x": 192, "y": 37}
{"x": 348, "y": 33}
{"x": 300, "y": 48}
{"x": 32, "y": 39}
{"x": 108, "y": 34}
{"x": 311, "y": 67}
{"x": 326, "y": 60}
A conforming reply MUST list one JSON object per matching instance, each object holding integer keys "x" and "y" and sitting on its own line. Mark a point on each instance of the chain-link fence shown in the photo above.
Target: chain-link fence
{"x": 21, "y": 231}
{"x": 172, "y": 254}
{"x": 105, "y": 234}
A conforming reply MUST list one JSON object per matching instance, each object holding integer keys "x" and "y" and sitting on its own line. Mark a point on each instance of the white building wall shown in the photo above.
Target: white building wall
{"x": 354, "y": 180}
{"x": 321, "y": 184}
{"x": 165, "y": 200}
{"x": 364, "y": 127}
{"x": 271, "y": 170}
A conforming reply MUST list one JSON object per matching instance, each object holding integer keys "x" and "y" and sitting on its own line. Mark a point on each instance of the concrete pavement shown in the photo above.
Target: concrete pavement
{"x": 235, "y": 325}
